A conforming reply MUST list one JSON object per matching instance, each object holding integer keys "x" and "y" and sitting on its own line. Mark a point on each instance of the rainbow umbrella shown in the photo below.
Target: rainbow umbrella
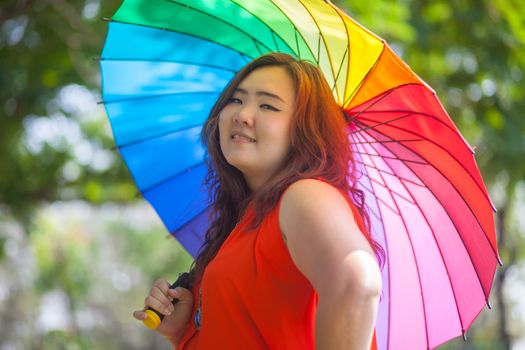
{"x": 164, "y": 64}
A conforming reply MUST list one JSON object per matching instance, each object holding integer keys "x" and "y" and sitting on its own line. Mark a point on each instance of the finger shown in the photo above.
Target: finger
{"x": 140, "y": 315}
{"x": 158, "y": 299}
{"x": 180, "y": 293}
{"x": 166, "y": 308}
{"x": 162, "y": 285}
{"x": 163, "y": 296}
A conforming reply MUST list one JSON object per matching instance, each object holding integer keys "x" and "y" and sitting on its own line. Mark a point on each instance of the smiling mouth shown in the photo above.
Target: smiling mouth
{"x": 237, "y": 137}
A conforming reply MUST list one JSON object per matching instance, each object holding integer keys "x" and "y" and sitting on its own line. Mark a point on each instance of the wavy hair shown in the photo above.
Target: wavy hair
{"x": 320, "y": 148}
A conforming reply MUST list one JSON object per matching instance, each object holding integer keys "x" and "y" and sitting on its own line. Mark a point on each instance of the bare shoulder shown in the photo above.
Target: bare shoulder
{"x": 310, "y": 185}
{"x": 310, "y": 208}
{"x": 314, "y": 198}
{"x": 323, "y": 238}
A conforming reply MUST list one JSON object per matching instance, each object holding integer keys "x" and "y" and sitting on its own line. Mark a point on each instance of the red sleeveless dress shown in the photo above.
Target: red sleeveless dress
{"x": 253, "y": 295}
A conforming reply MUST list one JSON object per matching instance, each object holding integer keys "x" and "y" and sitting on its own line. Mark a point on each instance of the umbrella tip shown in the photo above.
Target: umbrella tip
{"x": 106, "y": 19}
{"x": 464, "y": 335}
{"x": 97, "y": 59}
{"x": 500, "y": 262}
{"x": 488, "y": 305}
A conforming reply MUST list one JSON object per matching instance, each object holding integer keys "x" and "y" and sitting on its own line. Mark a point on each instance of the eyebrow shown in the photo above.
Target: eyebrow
{"x": 261, "y": 93}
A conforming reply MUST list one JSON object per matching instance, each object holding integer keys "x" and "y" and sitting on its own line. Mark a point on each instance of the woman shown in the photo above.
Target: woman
{"x": 288, "y": 262}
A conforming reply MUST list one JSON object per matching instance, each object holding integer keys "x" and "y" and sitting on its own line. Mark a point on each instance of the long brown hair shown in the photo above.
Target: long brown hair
{"x": 319, "y": 149}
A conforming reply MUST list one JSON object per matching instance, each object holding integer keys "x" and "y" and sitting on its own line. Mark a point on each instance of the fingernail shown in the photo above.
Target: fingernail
{"x": 167, "y": 311}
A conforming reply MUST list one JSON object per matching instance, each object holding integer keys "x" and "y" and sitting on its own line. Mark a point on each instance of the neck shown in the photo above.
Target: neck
{"x": 255, "y": 183}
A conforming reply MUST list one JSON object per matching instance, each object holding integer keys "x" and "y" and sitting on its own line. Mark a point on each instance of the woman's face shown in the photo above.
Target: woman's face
{"x": 255, "y": 124}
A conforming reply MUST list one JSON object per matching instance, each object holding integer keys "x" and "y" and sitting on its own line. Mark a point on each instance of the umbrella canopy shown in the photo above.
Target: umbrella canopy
{"x": 165, "y": 63}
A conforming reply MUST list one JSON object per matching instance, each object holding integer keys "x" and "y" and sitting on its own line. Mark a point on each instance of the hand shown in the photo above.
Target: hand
{"x": 176, "y": 316}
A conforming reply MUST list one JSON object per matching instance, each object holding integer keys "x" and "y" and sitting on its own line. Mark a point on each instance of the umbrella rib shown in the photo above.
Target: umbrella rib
{"x": 415, "y": 261}
{"x": 409, "y": 113}
{"x": 392, "y": 174}
{"x": 245, "y": 58}
{"x": 384, "y": 184}
{"x": 339, "y": 70}
{"x": 365, "y": 78}
{"x": 444, "y": 150}
{"x": 138, "y": 98}
{"x": 367, "y": 127}
{"x": 273, "y": 37}
{"x": 394, "y": 158}
{"x": 377, "y": 198}
{"x": 339, "y": 11}
{"x": 386, "y": 141}
{"x": 381, "y": 97}
{"x": 387, "y": 205}
{"x": 157, "y": 135}
{"x": 391, "y": 190}
{"x": 297, "y": 42}
{"x": 318, "y": 49}
{"x": 477, "y": 220}
{"x": 171, "y": 177}
{"x": 257, "y": 46}
{"x": 168, "y": 61}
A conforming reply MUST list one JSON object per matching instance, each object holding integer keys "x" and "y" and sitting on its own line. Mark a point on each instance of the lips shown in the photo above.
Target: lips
{"x": 240, "y": 136}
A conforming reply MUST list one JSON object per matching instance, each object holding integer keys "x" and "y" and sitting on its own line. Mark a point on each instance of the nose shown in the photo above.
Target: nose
{"x": 245, "y": 115}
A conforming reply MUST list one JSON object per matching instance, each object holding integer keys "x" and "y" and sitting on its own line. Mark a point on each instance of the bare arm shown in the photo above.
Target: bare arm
{"x": 329, "y": 249}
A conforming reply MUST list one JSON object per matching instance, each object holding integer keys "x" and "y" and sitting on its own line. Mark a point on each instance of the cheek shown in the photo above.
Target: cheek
{"x": 222, "y": 125}
{"x": 279, "y": 140}
{"x": 282, "y": 134}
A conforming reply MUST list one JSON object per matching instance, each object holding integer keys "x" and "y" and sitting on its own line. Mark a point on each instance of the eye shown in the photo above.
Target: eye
{"x": 234, "y": 100}
{"x": 269, "y": 107}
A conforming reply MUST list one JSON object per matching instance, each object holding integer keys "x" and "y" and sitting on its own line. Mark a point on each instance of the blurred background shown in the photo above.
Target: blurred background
{"x": 79, "y": 249}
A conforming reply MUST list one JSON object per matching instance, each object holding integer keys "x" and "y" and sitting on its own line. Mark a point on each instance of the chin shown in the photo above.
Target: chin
{"x": 237, "y": 163}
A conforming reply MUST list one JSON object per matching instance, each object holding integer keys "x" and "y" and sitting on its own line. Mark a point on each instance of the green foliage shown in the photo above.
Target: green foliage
{"x": 61, "y": 340}
{"x": 44, "y": 47}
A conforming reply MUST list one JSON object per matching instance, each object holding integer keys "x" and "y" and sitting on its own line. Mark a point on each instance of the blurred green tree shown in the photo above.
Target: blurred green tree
{"x": 47, "y": 49}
